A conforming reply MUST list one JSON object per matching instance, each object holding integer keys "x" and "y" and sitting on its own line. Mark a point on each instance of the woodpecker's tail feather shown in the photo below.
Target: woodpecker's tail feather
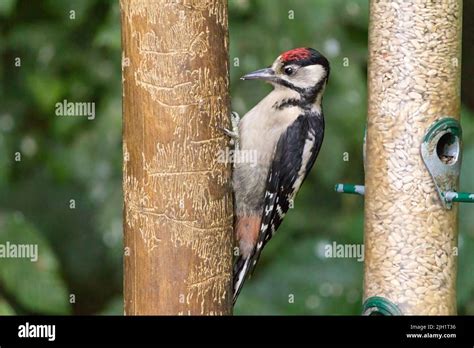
{"x": 241, "y": 268}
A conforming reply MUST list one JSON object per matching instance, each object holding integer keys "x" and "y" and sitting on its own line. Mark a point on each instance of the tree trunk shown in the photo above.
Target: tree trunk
{"x": 177, "y": 196}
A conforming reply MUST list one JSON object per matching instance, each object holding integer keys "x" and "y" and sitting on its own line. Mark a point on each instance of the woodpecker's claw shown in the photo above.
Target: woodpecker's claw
{"x": 234, "y": 133}
{"x": 229, "y": 133}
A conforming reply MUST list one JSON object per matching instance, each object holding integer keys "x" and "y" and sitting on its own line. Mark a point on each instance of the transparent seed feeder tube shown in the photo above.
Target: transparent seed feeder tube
{"x": 413, "y": 81}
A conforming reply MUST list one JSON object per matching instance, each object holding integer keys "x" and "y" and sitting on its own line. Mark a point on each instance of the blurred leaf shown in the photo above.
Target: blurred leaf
{"x": 35, "y": 285}
{"x": 5, "y": 308}
{"x": 300, "y": 280}
{"x": 63, "y": 9}
{"x": 109, "y": 33}
{"x": 6, "y": 7}
{"x": 46, "y": 91}
{"x": 5, "y": 159}
{"x": 465, "y": 283}
{"x": 114, "y": 307}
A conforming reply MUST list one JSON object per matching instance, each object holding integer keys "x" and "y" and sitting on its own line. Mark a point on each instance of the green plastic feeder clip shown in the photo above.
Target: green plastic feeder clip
{"x": 377, "y": 305}
{"x": 441, "y": 152}
{"x": 349, "y": 188}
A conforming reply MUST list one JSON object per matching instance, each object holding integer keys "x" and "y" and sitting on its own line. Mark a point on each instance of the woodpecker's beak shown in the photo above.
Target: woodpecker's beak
{"x": 267, "y": 74}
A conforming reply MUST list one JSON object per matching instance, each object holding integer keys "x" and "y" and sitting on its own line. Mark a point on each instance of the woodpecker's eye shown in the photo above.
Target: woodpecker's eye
{"x": 288, "y": 70}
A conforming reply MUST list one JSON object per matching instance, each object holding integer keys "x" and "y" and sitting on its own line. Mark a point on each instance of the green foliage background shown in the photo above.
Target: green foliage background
{"x": 64, "y": 159}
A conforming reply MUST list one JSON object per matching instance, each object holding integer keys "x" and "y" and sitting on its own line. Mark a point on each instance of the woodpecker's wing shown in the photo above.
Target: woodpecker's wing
{"x": 294, "y": 157}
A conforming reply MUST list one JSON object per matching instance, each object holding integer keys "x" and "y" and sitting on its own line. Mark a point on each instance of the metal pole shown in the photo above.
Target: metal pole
{"x": 177, "y": 196}
{"x": 413, "y": 81}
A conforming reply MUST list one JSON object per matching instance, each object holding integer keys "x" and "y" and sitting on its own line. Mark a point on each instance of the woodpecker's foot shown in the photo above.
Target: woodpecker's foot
{"x": 234, "y": 133}
{"x": 235, "y": 120}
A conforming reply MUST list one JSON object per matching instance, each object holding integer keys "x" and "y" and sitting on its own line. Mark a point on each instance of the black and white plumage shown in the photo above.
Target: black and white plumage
{"x": 285, "y": 130}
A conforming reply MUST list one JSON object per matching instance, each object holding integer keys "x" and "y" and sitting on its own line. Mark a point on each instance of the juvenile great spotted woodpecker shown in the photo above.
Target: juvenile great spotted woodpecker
{"x": 284, "y": 131}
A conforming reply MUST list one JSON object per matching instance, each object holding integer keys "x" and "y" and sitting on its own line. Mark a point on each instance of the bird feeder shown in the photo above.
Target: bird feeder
{"x": 413, "y": 158}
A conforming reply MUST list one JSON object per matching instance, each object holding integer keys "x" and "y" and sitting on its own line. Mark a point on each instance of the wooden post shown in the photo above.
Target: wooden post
{"x": 414, "y": 80}
{"x": 177, "y": 196}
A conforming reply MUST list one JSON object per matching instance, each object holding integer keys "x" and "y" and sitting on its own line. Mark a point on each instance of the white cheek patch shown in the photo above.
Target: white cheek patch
{"x": 309, "y": 76}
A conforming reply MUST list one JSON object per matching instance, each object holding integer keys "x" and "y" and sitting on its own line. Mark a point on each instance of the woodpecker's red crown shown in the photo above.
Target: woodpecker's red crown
{"x": 304, "y": 56}
{"x": 295, "y": 54}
